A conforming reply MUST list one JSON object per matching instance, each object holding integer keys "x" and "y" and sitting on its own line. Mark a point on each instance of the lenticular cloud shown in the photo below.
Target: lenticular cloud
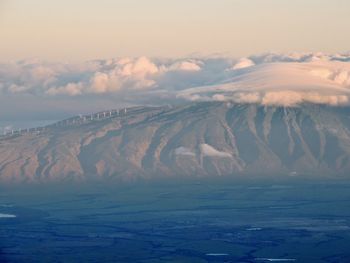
{"x": 287, "y": 84}
{"x": 269, "y": 79}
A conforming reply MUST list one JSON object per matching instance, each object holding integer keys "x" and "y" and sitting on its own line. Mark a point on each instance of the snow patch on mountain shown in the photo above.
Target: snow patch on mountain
{"x": 208, "y": 150}
{"x": 184, "y": 151}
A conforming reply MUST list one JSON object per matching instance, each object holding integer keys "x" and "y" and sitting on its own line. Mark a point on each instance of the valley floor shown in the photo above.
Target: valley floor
{"x": 191, "y": 221}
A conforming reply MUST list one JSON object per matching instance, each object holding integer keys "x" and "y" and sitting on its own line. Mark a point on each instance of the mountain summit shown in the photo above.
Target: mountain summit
{"x": 197, "y": 139}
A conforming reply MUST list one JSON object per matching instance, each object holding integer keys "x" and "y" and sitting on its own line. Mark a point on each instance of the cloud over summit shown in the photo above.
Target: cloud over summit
{"x": 281, "y": 83}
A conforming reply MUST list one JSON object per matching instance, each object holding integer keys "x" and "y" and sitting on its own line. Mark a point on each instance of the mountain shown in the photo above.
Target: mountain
{"x": 196, "y": 139}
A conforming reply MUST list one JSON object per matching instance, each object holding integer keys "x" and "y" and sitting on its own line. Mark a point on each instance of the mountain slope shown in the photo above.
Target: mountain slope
{"x": 201, "y": 139}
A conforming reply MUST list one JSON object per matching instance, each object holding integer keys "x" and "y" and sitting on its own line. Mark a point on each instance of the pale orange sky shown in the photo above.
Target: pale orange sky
{"x": 80, "y": 30}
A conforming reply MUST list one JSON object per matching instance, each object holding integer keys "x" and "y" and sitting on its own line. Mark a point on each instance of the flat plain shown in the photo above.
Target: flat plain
{"x": 202, "y": 220}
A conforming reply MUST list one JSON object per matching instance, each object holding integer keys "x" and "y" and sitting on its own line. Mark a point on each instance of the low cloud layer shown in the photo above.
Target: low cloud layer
{"x": 93, "y": 77}
{"x": 278, "y": 79}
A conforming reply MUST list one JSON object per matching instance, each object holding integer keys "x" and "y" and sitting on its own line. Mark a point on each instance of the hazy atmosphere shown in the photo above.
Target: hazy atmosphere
{"x": 199, "y": 131}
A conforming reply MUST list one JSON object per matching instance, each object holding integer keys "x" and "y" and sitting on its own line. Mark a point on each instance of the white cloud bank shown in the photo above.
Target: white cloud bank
{"x": 269, "y": 79}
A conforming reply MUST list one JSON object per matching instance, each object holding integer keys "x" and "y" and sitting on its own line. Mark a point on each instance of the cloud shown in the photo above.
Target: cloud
{"x": 190, "y": 65}
{"x": 100, "y": 82}
{"x": 290, "y": 98}
{"x": 71, "y": 89}
{"x": 269, "y": 79}
{"x": 141, "y": 67}
{"x": 243, "y": 63}
{"x": 113, "y": 76}
{"x": 281, "y": 83}
{"x": 14, "y": 88}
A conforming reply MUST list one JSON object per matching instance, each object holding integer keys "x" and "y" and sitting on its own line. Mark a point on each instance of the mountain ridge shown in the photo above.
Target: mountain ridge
{"x": 196, "y": 139}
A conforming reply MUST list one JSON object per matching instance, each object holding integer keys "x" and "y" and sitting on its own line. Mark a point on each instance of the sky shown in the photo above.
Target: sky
{"x": 78, "y": 30}
{"x": 62, "y": 58}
